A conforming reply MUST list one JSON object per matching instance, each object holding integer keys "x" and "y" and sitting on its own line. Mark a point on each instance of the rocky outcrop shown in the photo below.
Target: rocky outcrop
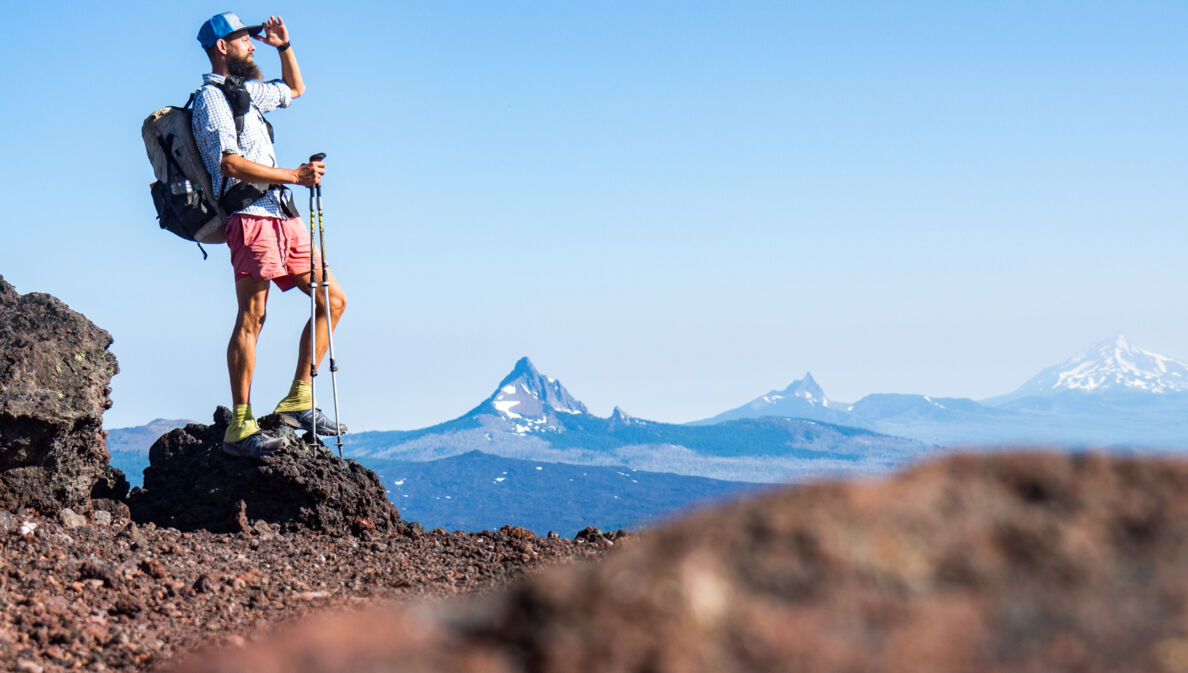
{"x": 54, "y": 374}
{"x": 973, "y": 563}
{"x": 191, "y": 484}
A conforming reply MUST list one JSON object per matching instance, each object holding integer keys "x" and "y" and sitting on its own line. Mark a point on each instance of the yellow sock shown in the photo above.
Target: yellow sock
{"x": 300, "y": 397}
{"x": 243, "y": 424}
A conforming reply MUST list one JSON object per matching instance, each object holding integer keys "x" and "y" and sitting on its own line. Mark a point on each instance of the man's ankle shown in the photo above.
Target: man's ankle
{"x": 300, "y": 397}
{"x": 242, "y": 425}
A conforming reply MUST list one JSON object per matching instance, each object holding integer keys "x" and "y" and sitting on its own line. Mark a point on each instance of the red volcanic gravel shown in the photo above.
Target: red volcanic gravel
{"x": 128, "y": 597}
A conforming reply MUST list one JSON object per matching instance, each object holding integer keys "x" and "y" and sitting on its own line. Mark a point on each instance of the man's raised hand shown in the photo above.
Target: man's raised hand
{"x": 275, "y": 32}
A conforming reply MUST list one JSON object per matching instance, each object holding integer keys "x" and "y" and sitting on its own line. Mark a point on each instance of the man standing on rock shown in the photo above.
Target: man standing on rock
{"x": 268, "y": 241}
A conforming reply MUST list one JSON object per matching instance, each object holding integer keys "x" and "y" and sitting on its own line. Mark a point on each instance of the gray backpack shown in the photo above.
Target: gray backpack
{"x": 182, "y": 193}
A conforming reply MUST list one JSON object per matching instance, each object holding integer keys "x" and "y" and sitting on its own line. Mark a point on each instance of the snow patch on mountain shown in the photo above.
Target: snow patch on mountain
{"x": 803, "y": 398}
{"x": 527, "y": 397}
{"x": 805, "y": 388}
{"x": 1114, "y": 365}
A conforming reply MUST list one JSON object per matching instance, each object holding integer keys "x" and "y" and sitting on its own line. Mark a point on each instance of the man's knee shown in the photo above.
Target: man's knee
{"x": 251, "y": 319}
{"x": 338, "y": 302}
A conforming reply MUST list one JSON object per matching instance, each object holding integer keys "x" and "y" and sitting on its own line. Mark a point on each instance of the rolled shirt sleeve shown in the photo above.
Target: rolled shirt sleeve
{"x": 269, "y": 95}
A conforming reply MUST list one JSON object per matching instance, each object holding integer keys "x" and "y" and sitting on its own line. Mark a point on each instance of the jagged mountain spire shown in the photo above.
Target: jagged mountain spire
{"x": 526, "y": 393}
{"x": 619, "y": 418}
{"x": 805, "y": 388}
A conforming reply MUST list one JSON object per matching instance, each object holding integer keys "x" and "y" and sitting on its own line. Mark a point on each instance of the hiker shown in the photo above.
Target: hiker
{"x": 267, "y": 238}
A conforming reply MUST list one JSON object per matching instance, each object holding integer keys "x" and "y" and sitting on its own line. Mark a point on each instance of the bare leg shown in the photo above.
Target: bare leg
{"x": 241, "y": 350}
{"x": 337, "y": 306}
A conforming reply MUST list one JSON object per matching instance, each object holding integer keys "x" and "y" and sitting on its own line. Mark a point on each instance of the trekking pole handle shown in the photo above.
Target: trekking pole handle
{"x": 317, "y": 157}
{"x": 320, "y": 156}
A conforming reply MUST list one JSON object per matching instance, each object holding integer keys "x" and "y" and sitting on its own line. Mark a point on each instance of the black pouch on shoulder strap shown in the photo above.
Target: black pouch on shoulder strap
{"x": 238, "y": 99}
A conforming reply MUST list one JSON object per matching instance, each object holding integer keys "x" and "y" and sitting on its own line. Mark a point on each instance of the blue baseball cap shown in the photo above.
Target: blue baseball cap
{"x": 220, "y": 26}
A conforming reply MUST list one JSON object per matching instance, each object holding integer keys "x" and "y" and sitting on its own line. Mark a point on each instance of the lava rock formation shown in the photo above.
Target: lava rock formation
{"x": 1019, "y": 563}
{"x": 191, "y": 484}
{"x": 54, "y": 374}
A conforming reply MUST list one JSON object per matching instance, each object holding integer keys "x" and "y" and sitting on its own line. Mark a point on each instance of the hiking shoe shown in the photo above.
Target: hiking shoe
{"x": 300, "y": 420}
{"x": 253, "y": 446}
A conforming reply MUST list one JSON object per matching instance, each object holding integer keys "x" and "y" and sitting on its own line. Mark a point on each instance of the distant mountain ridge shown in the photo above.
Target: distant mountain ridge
{"x": 129, "y": 447}
{"x": 1112, "y": 394}
{"x": 533, "y": 417}
{"x": 803, "y": 398}
{"x": 138, "y": 439}
{"x": 572, "y": 467}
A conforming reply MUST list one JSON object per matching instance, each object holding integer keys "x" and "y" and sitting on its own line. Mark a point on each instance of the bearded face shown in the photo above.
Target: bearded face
{"x": 243, "y": 67}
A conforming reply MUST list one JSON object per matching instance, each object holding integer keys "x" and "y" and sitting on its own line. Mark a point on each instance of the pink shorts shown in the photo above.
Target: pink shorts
{"x": 268, "y": 248}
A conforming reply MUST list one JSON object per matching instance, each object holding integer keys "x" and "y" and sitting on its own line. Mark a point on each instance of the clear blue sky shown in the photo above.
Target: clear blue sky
{"x": 671, "y": 206}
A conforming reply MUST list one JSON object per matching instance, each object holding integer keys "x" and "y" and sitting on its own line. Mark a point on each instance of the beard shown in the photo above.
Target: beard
{"x": 244, "y": 68}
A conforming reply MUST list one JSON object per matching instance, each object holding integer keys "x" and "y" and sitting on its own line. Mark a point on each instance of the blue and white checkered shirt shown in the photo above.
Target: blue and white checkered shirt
{"x": 214, "y": 131}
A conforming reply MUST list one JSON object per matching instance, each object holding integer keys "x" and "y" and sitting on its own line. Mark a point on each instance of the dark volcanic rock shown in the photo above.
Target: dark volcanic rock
{"x": 1004, "y": 563}
{"x": 111, "y": 484}
{"x": 191, "y": 484}
{"x": 123, "y": 597}
{"x": 54, "y": 374}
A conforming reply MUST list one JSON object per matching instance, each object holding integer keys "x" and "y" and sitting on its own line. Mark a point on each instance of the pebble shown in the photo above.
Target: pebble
{"x": 69, "y": 519}
{"x": 153, "y": 568}
{"x": 8, "y": 522}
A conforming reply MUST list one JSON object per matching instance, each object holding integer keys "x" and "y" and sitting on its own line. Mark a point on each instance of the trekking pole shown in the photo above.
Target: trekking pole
{"x": 326, "y": 298}
{"x": 313, "y": 321}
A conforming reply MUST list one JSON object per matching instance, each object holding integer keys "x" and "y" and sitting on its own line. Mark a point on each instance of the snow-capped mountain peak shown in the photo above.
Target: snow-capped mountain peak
{"x": 526, "y": 394}
{"x": 1113, "y": 365}
{"x": 805, "y": 388}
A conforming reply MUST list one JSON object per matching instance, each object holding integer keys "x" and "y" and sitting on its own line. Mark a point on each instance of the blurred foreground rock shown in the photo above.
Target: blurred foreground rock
{"x": 973, "y": 563}
{"x": 191, "y": 484}
{"x": 54, "y": 374}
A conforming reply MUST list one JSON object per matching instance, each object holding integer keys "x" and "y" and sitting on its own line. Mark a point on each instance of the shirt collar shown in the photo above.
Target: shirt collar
{"x": 211, "y": 77}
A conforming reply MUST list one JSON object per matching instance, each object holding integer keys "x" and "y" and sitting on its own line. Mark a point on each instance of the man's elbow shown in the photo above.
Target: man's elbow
{"x": 227, "y": 165}
{"x": 296, "y": 92}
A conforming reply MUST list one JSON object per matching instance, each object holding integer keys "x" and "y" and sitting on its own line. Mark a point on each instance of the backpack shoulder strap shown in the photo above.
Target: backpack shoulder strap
{"x": 229, "y": 93}
{"x": 238, "y": 99}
